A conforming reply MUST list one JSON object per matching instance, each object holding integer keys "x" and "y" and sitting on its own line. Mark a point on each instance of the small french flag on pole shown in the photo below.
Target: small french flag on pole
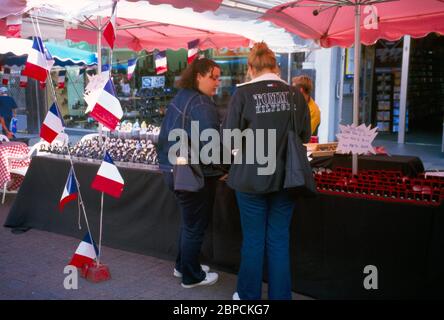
{"x": 107, "y": 109}
{"x": 161, "y": 62}
{"x": 13, "y": 26}
{"x": 5, "y": 77}
{"x": 106, "y": 71}
{"x": 110, "y": 30}
{"x": 86, "y": 252}
{"x": 52, "y": 125}
{"x": 131, "y": 67}
{"x": 23, "y": 81}
{"x": 61, "y": 79}
{"x": 108, "y": 178}
{"x": 193, "y": 50}
{"x": 70, "y": 191}
{"x": 39, "y": 61}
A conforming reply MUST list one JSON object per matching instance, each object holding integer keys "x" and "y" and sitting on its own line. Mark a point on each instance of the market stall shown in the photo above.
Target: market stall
{"x": 333, "y": 238}
{"x": 392, "y": 221}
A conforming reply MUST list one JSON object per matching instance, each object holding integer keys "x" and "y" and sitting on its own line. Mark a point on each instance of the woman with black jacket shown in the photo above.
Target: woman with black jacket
{"x": 198, "y": 84}
{"x": 265, "y": 206}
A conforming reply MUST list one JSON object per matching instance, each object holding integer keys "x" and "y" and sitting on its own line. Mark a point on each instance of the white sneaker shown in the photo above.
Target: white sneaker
{"x": 178, "y": 274}
{"x": 236, "y": 296}
{"x": 210, "y": 279}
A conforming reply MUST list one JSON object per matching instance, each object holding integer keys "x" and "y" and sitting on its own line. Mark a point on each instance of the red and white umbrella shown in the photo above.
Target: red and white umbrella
{"x": 346, "y": 22}
{"x": 332, "y": 22}
{"x": 196, "y": 5}
{"x": 138, "y": 34}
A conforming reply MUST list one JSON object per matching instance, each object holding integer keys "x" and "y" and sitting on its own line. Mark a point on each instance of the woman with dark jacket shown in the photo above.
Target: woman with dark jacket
{"x": 265, "y": 206}
{"x": 198, "y": 84}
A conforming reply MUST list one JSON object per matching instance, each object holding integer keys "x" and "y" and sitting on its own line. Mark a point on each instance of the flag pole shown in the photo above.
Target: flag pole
{"x": 100, "y": 233}
{"x": 37, "y": 31}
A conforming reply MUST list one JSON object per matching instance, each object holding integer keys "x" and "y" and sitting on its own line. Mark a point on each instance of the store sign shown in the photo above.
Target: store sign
{"x": 153, "y": 82}
{"x": 356, "y": 140}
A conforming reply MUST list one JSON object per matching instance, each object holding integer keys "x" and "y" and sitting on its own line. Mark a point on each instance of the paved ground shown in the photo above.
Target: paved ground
{"x": 430, "y": 153}
{"x": 32, "y": 264}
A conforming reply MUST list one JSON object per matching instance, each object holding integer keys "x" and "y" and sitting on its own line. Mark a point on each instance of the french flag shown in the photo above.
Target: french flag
{"x": 23, "y": 81}
{"x": 106, "y": 70}
{"x": 107, "y": 109}
{"x": 110, "y": 30}
{"x": 39, "y": 61}
{"x": 193, "y": 50}
{"x": 5, "y": 77}
{"x": 108, "y": 178}
{"x": 161, "y": 62}
{"x": 61, "y": 79}
{"x": 86, "y": 252}
{"x": 131, "y": 67}
{"x": 52, "y": 125}
{"x": 70, "y": 191}
{"x": 13, "y": 26}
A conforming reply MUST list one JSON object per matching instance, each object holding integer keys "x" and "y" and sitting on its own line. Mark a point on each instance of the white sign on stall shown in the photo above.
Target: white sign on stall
{"x": 356, "y": 140}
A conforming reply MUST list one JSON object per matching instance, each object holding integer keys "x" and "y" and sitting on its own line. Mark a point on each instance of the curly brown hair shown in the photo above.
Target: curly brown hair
{"x": 188, "y": 78}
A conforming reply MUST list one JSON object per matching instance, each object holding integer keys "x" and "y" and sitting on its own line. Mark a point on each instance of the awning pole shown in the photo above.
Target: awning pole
{"x": 289, "y": 69}
{"x": 403, "y": 93}
{"x": 357, "y": 58}
{"x": 99, "y": 64}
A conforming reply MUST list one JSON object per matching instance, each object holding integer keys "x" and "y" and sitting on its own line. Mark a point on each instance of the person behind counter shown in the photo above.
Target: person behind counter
{"x": 265, "y": 207}
{"x": 198, "y": 84}
{"x": 7, "y": 111}
{"x": 305, "y": 86}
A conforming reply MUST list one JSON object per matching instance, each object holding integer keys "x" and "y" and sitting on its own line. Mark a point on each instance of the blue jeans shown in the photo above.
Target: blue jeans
{"x": 196, "y": 208}
{"x": 265, "y": 220}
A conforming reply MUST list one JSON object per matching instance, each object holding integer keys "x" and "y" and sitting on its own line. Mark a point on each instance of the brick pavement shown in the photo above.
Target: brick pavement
{"x": 32, "y": 263}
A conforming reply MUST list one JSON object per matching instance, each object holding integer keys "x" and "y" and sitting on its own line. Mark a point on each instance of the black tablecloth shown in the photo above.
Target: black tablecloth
{"x": 409, "y": 165}
{"x": 332, "y": 238}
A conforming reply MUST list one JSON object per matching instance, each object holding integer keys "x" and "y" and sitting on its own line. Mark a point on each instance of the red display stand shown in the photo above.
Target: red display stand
{"x": 381, "y": 185}
{"x": 95, "y": 273}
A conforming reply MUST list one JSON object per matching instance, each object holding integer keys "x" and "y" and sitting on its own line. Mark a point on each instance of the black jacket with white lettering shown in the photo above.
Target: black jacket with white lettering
{"x": 264, "y": 103}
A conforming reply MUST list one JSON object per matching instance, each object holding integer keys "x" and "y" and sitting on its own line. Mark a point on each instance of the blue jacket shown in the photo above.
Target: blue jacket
{"x": 201, "y": 108}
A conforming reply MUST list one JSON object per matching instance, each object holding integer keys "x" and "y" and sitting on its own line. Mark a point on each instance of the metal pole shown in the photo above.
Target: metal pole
{"x": 357, "y": 58}
{"x": 101, "y": 229}
{"x": 403, "y": 93}
{"x": 36, "y": 87}
{"x": 341, "y": 85}
{"x": 99, "y": 62}
{"x": 289, "y": 69}
{"x": 99, "y": 46}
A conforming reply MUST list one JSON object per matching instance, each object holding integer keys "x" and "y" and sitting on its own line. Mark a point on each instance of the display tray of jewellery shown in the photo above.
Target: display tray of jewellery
{"x": 124, "y": 152}
{"x": 128, "y": 130}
